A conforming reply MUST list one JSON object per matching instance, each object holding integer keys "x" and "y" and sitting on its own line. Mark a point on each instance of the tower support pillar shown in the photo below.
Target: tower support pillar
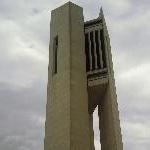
{"x": 109, "y": 124}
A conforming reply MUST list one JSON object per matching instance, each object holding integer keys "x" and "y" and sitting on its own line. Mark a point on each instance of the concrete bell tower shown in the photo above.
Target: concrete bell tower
{"x": 80, "y": 78}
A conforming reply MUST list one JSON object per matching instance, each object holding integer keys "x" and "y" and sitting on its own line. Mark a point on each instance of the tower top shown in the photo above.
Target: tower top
{"x": 101, "y": 12}
{"x": 69, "y": 3}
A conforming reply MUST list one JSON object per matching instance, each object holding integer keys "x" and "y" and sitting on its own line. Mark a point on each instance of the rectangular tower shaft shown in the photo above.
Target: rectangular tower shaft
{"x": 67, "y": 118}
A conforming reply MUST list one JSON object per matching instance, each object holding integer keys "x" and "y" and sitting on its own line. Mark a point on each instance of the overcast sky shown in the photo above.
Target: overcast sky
{"x": 24, "y": 41}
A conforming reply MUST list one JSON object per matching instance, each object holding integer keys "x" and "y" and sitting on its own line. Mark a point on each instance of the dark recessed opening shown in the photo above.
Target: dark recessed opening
{"x": 92, "y": 50}
{"x": 103, "y": 48}
{"x": 97, "y": 49}
{"x": 55, "y": 51}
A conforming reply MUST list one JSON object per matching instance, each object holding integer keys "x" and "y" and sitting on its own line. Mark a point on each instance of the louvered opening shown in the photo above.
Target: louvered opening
{"x": 95, "y": 50}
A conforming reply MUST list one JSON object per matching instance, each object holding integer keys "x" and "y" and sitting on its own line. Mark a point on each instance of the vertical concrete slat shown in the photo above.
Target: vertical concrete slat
{"x": 90, "y": 53}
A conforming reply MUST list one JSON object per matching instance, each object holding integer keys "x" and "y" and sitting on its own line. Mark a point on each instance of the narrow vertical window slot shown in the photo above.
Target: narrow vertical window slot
{"x": 55, "y": 51}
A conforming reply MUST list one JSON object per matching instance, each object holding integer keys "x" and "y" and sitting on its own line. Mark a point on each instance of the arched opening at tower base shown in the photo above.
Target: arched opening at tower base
{"x": 97, "y": 143}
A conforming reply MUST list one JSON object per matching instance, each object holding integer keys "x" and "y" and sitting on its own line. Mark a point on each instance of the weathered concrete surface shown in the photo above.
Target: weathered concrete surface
{"x": 67, "y": 119}
{"x": 71, "y": 95}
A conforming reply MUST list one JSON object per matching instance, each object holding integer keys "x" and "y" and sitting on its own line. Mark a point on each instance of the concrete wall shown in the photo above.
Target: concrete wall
{"x": 67, "y": 120}
{"x": 111, "y": 138}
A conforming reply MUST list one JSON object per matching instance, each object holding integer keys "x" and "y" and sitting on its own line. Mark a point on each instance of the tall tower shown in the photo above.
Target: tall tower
{"x": 80, "y": 78}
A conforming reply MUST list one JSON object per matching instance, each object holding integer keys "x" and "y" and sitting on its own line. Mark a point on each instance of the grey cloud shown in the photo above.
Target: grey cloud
{"x": 22, "y": 117}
